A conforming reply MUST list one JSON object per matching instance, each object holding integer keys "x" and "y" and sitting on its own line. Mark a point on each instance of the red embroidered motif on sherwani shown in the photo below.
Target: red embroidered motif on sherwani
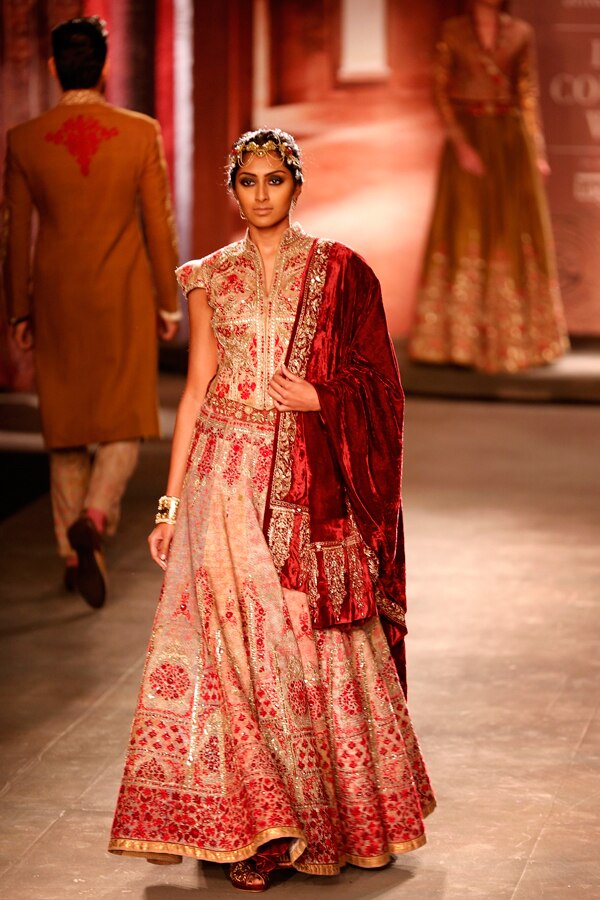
{"x": 252, "y": 724}
{"x": 82, "y": 136}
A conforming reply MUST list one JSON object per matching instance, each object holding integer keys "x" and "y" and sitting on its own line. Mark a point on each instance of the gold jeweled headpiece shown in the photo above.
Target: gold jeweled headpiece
{"x": 284, "y": 150}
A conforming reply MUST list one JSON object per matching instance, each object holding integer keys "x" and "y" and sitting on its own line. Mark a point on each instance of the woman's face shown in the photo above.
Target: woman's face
{"x": 265, "y": 188}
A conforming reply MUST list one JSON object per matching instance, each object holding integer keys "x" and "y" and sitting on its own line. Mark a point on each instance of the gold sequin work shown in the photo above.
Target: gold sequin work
{"x": 252, "y": 327}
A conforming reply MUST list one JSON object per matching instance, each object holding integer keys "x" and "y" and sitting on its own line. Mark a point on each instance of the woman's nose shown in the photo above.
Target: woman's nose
{"x": 262, "y": 191}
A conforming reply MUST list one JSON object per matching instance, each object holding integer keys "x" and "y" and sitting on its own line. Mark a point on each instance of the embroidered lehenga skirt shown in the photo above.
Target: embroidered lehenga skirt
{"x": 489, "y": 296}
{"x": 251, "y": 725}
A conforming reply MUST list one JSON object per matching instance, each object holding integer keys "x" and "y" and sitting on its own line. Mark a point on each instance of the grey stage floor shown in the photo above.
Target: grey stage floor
{"x": 503, "y": 526}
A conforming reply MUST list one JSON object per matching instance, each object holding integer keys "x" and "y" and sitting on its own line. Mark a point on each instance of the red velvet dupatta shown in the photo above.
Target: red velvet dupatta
{"x": 334, "y": 514}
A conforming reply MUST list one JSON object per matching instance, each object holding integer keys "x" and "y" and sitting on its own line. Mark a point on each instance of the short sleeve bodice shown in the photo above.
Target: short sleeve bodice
{"x": 252, "y": 327}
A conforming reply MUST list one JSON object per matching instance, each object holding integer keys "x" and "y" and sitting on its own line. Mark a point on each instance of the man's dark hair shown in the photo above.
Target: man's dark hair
{"x": 79, "y": 48}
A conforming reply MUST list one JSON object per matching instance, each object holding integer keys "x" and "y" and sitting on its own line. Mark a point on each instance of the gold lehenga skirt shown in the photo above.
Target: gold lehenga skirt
{"x": 489, "y": 296}
{"x": 250, "y": 725}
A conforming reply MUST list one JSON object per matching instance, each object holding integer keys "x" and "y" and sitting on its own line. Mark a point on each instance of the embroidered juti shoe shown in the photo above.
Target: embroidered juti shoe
{"x": 245, "y": 876}
{"x": 90, "y": 581}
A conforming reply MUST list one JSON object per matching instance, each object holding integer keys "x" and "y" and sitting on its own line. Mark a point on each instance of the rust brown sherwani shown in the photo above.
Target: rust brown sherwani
{"x": 102, "y": 265}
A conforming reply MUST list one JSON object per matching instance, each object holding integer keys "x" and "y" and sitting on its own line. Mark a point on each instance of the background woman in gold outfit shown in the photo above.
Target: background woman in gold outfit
{"x": 489, "y": 296}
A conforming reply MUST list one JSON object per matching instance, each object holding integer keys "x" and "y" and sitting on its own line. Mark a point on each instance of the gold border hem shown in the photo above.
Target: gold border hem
{"x": 427, "y": 810}
{"x": 364, "y": 862}
{"x": 153, "y": 850}
{"x": 166, "y": 853}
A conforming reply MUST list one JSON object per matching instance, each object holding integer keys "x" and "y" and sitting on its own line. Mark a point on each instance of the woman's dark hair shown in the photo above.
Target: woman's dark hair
{"x": 283, "y": 143}
{"x": 79, "y": 48}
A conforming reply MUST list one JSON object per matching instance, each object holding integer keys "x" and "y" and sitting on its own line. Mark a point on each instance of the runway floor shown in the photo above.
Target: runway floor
{"x": 503, "y": 529}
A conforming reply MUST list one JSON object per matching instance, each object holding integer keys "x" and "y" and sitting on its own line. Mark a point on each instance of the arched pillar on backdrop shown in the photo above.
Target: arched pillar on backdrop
{"x": 309, "y": 48}
{"x": 363, "y": 45}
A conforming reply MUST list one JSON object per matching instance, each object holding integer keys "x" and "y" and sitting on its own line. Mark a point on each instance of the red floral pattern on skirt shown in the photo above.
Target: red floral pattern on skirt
{"x": 251, "y": 726}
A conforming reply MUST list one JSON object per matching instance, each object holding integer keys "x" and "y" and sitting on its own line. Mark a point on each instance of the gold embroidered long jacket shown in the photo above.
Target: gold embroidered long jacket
{"x": 468, "y": 74}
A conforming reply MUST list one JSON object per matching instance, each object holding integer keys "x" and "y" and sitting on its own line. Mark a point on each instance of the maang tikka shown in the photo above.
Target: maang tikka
{"x": 284, "y": 150}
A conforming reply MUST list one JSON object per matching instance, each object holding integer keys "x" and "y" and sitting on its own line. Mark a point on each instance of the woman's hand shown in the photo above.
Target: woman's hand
{"x": 159, "y": 542}
{"x": 543, "y": 167}
{"x": 23, "y": 335}
{"x": 292, "y": 393}
{"x": 469, "y": 159}
{"x": 166, "y": 328}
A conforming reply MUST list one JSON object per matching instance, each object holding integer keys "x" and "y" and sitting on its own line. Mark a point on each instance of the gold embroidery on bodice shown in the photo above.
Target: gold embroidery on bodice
{"x": 252, "y": 327}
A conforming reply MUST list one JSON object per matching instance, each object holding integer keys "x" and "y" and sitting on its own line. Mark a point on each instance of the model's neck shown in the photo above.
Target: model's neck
{"x": 268, "y": 239}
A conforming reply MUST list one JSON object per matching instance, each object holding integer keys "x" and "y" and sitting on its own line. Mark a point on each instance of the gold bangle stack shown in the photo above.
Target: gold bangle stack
{"x": 167, "y": 510}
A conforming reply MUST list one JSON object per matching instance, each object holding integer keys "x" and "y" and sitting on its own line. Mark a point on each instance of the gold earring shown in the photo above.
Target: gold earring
{"x": 294, "y": 201}
{"x": 242, "y": 216}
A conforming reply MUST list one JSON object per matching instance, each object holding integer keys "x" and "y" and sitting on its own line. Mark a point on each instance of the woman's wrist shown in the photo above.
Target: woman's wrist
{"x": 170, "y": 315}
{"x": 168, "y": 507}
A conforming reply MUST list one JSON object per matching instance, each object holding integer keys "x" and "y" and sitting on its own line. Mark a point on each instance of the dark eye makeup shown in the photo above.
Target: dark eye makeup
{"x": 246, "y": 181}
